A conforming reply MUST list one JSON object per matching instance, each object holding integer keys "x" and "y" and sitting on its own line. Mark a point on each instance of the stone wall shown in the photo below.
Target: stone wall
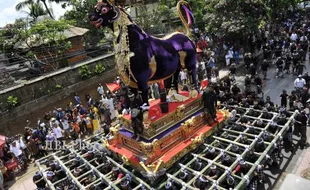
{"x": 43, "y": 89}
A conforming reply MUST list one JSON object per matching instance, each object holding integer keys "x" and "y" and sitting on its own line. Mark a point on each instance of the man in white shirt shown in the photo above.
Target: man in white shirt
{"x": 294, "y": 36}
{"x": 16, "y": 149}
{"x": 53, "y": 121}
{"x": 303, "y": 38}
{"x": 100, "y": 90}
{"x": 58, "y": 133}
{"x": 183, "y": 77}
{"x": 299, "y": 82}
{"x": 66, "y": 127}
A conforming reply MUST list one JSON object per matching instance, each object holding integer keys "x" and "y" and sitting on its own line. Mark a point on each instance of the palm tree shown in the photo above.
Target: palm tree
{"x": 25, "y": 3}
{"x": 35, "y": 10}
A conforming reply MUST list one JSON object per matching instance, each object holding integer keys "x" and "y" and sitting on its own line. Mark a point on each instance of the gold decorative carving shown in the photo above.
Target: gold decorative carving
{"x": 115, "y": 130}
{"x": 182, "y": 55}
{"x": 190, "y": 122}
{"x": 125, "y": 160}
{"x": 185, "y": 127}
{"x": 150, "y": 149}
{"x": 179, "y": 113}
{"x": 225, "y": 113}
{"x": 198, "y": 139}
{"x": 152, "y": 168}
{"x": 106, "y": 144}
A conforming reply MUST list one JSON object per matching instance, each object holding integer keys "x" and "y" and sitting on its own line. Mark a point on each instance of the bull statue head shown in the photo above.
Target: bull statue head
{"x": 106, "y": 12}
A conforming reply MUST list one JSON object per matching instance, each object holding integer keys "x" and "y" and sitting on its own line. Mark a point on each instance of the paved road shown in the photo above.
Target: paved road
{"x": 294, "y": 161}
{"x": 273, "y": 86}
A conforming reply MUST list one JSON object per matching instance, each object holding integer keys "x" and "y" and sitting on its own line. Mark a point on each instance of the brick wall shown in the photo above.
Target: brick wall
{"x": 75, "y": 54}
{"x": 33, "y": 94}
{"x": 39, "y": 87}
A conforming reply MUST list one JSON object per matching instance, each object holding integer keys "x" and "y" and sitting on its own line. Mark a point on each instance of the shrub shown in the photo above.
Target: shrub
{"x": 58, "y": 86}
{"x": 99, "y": 68}
{"x": 85, "y": 72}
{"x": 12, "y": 101}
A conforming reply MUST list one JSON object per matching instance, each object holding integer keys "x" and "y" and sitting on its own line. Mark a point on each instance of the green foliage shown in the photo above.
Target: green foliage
{"x": 30, "y": 55}
{"x": 11, "y": 34}
{"x": 152, "y": 21}
{"x": 85, "y": 72}
{"x": 49, "y": 35}
{"x": 99, "y": 68}
{"x": 48, "y": 10}
{"x": 35, "y": 10}
{"x": 58, "y": 86}
{"x": 199, "y": 10}
{"x": 12, "y": 101}
{"x": 79, "y": 14}
{"x": 234, "y": 18}
{"x": 280, "y": 7}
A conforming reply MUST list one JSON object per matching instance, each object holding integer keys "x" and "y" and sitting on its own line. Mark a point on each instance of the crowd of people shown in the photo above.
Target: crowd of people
{"x": 286, "y": 46}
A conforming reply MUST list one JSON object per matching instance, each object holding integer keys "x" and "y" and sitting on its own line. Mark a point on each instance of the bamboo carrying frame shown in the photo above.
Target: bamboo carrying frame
{"x": 172, "y": 173}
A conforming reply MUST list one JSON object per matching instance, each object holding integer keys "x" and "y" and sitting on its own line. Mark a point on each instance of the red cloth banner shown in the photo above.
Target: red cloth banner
{"x": 204, "y": 84}
{"x": 113, "y": 86}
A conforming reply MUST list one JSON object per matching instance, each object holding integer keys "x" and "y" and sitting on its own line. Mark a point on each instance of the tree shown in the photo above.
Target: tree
{"x": 199, "y": 10}
{"x": 35, "y": 10}
{"x": 10, "y": 35}
{"x": 278, "y": 7}
{"x": 234, "y": 19}
{"x": 79, "y": 14}
{"x": 151, "y": 20}
{"x": 26, "y": 3}
{"x": 45, "y": 37}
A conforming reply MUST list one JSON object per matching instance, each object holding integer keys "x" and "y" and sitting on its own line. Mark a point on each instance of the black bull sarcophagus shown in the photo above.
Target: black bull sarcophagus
{"x": 142, "y": 59}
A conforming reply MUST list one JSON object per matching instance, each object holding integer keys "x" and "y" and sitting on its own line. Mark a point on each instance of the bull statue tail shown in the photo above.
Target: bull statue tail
{"x": 190, "y": 17}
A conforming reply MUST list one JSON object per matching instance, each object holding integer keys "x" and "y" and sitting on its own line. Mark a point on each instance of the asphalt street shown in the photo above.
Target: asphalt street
{"x": 273, "y": 87}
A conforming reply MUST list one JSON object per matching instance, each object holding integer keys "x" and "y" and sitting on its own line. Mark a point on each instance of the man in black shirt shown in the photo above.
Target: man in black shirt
{"x": 301, "y": 126}
{"x": 209, "y": 99}
{"x": 137, "y": 122}
{"x": 264, "y": 67}
{"x": 256, "y": 106}
{"x": 280, "y": 65}
{"x": 235, "y": 90}
{"x": 307, "y": 79}
{"x": 242, "y": 168}
{"x": 51, "y": 176}
{"x": 252, "y": 70}
{"x": 251, "y": 157}
{"x": 135, "y": 101}
{"x": 284, "y": 99}
{"x": 300, "y": 68}
{"x": 211, "y": 153}
{"x": 233, "y": 70}
{"x": 247, "y": 81}
{"x": 39, "y": 180}
{"x": 268, "y": 101}
{"x": 213, "y": 173}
